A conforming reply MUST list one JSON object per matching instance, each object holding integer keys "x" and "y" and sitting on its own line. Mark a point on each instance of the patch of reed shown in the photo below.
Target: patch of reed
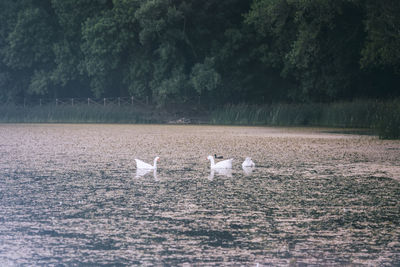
{"x": 383, "y": 117}
{"x": 387, "y": 122}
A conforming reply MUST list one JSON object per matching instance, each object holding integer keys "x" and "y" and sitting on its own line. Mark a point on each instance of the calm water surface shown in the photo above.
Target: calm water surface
{"x": 71, "y": 195}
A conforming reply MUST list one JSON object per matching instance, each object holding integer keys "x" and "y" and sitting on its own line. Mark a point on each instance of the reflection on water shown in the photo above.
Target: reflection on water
{"x": 71, "y": 195}
{"x": 223, "y": 172}
{"x": 143, "y": 172}
{"x": 248, "y": 170}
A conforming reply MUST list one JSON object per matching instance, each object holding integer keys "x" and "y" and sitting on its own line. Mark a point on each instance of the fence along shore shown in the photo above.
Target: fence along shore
{"x": 87, "y": 101}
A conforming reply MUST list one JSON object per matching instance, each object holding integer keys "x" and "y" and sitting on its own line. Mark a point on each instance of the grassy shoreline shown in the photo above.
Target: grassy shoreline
{"x": 73, "y": 114}
{"x": 381, "y": 117}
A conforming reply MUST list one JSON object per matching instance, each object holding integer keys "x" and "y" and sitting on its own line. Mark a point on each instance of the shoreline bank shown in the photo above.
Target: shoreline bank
{"x": 380, "y": 118}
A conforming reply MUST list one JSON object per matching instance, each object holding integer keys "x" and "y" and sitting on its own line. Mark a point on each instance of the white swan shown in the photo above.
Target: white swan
{"x": 143, "y": 165}
{"x": 248, "y": 163}
{"x": 225, "y": 164}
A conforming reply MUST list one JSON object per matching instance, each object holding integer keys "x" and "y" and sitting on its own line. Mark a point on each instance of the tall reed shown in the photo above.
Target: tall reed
{"x": 387, "y": 120}
{"x": 383, "y": 117}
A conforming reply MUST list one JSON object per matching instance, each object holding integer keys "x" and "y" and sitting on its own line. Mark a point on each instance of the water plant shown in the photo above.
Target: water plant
{"x": 382, "y": 117}
{"x": 387, "y": 121}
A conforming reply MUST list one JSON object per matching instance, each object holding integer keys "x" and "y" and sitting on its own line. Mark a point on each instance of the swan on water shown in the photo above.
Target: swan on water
{"x": 143, "y": 165}
{"x": 225, "y": 164}
{"x": 248, "y": 163}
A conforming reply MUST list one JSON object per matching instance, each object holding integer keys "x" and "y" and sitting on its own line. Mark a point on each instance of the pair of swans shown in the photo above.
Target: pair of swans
{"x": 225, "y": 167}
{"x": 227, "y": 164}
{"x": 224, "y": 164}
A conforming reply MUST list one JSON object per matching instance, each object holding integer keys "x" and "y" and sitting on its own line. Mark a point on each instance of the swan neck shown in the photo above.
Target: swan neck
{"x": 212, "y": 162}
{"x": 155, "y": 163}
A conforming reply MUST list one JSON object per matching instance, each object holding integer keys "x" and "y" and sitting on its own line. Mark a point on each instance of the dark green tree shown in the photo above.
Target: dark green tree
{"x": 69, "y": 73}
{"x": 216, "y": 51}
{"x": 315, "y": 43}
{"x": 27, "y": 47}
{"x": 382, "y": 25}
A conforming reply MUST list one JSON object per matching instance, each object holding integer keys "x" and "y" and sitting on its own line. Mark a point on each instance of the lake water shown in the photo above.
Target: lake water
{"x": 71, "y": 195}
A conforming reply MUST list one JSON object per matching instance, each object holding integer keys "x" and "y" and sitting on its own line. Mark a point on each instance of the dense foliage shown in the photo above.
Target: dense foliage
{"x": 212, "y": 51}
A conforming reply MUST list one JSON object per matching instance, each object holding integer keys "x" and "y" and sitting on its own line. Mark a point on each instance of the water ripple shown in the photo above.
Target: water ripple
{"x": 71, "y": 195}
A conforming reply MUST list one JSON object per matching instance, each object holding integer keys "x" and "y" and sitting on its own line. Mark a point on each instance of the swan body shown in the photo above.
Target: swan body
{"x": 143, "y": 165}
{"x": 225, "y": 164}
{"x": 248, "y": 163}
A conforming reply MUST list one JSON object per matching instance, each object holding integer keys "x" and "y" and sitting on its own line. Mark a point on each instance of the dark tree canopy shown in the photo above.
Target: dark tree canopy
{"x": 219, "y": 51}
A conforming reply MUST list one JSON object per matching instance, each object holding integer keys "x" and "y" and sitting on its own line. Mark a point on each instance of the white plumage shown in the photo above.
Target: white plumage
{"x": 143, "y": 165}
{"x": 248, "y": 163}
{"x": 225, "y": 164}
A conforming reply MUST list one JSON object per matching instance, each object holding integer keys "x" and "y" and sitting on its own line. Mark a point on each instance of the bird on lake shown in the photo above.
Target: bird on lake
{"x": 225, "y": 164}
{"x": 218, "y": 157}
{"x": 248, "y": 163}
{"x": 143, "y": 165}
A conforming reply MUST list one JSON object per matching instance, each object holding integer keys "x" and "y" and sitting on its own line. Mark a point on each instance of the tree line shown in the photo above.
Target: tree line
{"x": 212, "y": 51}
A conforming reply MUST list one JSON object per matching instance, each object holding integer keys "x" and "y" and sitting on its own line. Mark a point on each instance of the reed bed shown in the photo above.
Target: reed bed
{"x": 388, "y": 120}
{"x": 381, "y": 117}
